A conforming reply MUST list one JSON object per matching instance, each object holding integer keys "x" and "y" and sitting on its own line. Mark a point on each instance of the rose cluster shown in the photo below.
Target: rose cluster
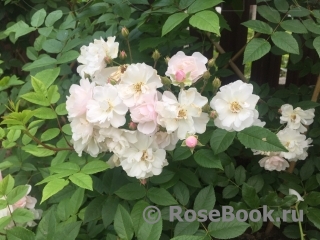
{"x": 121, "y": 110}
{"x": 26, "y": 202}
{"x": 124, "y": 110}
{"x": 291, "y": 137}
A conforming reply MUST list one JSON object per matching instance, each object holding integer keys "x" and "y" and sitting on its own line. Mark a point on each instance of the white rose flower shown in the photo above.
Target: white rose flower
{"x": 296, "y": 143}
{"x": 296, "y": 118}
{"x": 93, "y": 57}
{"x": 166, "y": 141}
{"x": 272, "y": 163}
{"x": 186, "y": 69}
{"x": 183, "y": 115}
{"x": 106, "y": 107}
{"x": 138, "y": 79}
{"x": 76, "y": 103}
{"x": 143, "y": 159}
{"x": 235, "y": 105}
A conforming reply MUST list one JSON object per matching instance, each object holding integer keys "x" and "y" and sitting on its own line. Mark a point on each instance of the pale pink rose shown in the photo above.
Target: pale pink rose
{"x": 78, "y": 99}
{"x": 274, "y": 163}
{"x": 145, "y": 114}
{"x": 191, "y": 141}
{"x": 186, "y": 69}
{"x": 21, "y": 203}
{"x": 132, "y": 126}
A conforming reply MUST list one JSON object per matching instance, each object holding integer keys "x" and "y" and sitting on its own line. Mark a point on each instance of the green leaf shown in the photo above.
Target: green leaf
{"x": 52, "y": 46}
{"x": 205, "y": 200}
{"x": 206, "y": 21}
{"x": 260, "y": 139}
{"x": 137, "y": 214}
{"x": 38, "y": 86}
{"x": 313, "y": 215}
{"x": 221, "y": 140}
{"x": 76, "y": 200}
{"x": 67, "y": 57}
{"x": 131, "y": 191}
{"x": 282, "y": 5}
{"x": 38, "y": 151}
{"x": 227, "y": 230}
{"x": 94, "y": 167}
{"x": 316, "y": 44}
{"x": 67, "y": 166}
{"x": 305, "y": 105}
{"x": 20, "y": 28}
{"x": 93, "y": 209}
{"x": 82, "y": 180}
{"x": 37, "y": 18}
{"x": 44, "y": 113}
{"x": 49, "y": 134}
{"x": 256, "y": 49}
{"x": 150, "y": 231}
{"x": 68, "y": 231}
{"x": 250, "y": 196}
{"x": 36, "y": 98}
{"x": 61, "y": 109}
{"x": 188, "y": 177}
{"x": 207, "y": 159}
{"x": 41, "y": 62}
{"x": 123, "y": 223}
{"x": 45, "y": 31}
{"x": 7, "y": 82}
{"x": 258, "y": 26}
{"x": 53, "y": 17}
{"x": 311, "y": 26}
{"x": 188, "y": 237}
{"x": 16, "y": 194}
{"x": 181, "y": 153}
{"x": 22, "y": 215}
{"x": 161, "y": 197}
{"x": 53, "y": 94}
{"x": 198, "y": 6}
{"x": 123, "y": 10}
{"x": 291, "y": 231}
{"x": 181, "y": 192}
{"x": 230, "y": 191}
{"x": 286, "y": 42}
{"x": 52, "y": 188}
{"x": 48, "y": 76}
{"x": 6, "y": 185}
{"x": 109, "y": 210}
{"x": 269, "y": 13}
{"x": 186, "y": 228}
{"x": 20, "y": 233}
{"x": 293, "y": 26}
{"x": 173, "y": 21}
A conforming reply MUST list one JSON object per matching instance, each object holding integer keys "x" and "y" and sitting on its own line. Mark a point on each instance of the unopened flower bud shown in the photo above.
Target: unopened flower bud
{"x": 211, "y": 63}
{"x": 143, "y": 181}
{"x": 280, "y": 111}
{"x": 216, "y": 83}
{"x": 132, "y": 126}
{"x": 156, "y": 55}
{"x": 166, "y": 59}
{"x": 122, "y": 55}
{"x": 125, "y": 32}
{"x": 191, "y": 141}
{"x": 165, "y": 81}
{"x": 206, "y": 75}
{"x": 180, "y": 76}
{"x": 206, "y": 108}
{"x": 108, "y": 60}
{"x": 213, "y": 114}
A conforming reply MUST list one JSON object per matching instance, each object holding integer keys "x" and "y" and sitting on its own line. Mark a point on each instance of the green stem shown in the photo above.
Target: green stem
{"x": 129, "y": 48}
{"x": 300, "y": 225}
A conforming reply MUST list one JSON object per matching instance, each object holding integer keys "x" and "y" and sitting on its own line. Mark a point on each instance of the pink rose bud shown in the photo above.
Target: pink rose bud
{"x": 143, "y": 181}
{"x": 108, "y": 60}
{"x": 123, "y": 55}
{"x": 180, "y": 76}
{"x": 132, "y": 126}
{"x": 213, "y": 114}
{"x": 191, "y": 141}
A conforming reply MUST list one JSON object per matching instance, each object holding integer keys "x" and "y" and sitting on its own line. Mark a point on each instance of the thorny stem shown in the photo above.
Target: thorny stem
{"x": 129, "y": 48}
{"x": 44, "y": 145}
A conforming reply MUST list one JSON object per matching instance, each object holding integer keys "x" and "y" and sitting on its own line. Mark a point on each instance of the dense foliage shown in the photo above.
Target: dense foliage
{"x": 53, "y": 189}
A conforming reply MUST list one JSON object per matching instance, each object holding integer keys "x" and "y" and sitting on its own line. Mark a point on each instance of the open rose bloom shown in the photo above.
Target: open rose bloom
{"x": 126, "y": 110}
